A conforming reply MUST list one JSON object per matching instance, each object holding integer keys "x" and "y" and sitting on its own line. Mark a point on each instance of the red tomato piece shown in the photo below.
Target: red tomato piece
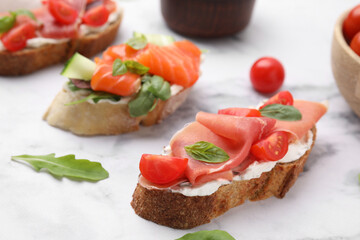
{"x": 355, "y": 44}
{"x": 15, "y": 39}
{"x": 272, "y": 148}
{"x": 267, "y": 75}
{"x": 162, "y": 169}
{"x": 351, "y": 24}
{"x": 63, "y": 12}
{"x": 283, "y": 97}
{"x": 240, "y": 112}
{"x": 96, "y": 16}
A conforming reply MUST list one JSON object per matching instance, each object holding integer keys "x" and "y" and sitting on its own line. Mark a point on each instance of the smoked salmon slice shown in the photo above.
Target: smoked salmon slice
{"x": 123, "y": 85}
{"x": 177, "y": 63}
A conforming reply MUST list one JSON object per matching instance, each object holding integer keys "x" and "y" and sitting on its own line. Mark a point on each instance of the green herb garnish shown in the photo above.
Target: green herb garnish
{"x": 207, "y": 235}
{"x": 138, "y": 41}
{"x": 25, "y": 12}
{"x": 281, "y": 112}
{"x": 153, "y": 87}
{"x": 136, "y": 67}
{"x": 119, "y": 67}
{"x": 206, "y": 152}
{"x": 96, "y": 97}
{"x": 66, "y": 166}
{"x": 74, "y": 88}
{"x": 7, "y": 22}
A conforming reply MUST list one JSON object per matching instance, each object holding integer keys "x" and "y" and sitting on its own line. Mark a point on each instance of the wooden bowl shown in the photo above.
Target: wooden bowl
{"x": 346, "y": 67}
{"x": 207, "y": 18}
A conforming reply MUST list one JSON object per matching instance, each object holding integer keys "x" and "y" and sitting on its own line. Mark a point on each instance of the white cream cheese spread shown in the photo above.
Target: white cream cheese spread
{"x": 295, "y": 151}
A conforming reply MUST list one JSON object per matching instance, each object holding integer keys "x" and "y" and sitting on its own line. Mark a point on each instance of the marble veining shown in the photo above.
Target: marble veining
{"x": 324, "y": 204}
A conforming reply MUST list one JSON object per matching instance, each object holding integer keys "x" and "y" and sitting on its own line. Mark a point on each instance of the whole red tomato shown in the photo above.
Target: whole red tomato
{"x": 351, "y": 24}
{"x": 267, "y": 75}
{"x": 355, "y": 44}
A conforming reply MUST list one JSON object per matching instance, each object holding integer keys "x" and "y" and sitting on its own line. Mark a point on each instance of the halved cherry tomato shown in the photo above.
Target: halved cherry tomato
{"x": 96, "y": 16}
{"x": 272, "y": 148}
{"x": 351, "y": 24}
{"x": 355, "y": 44}
{"x": 240, "y": 112}
{"x": 162, "y": 169}
{"x": 15, "y": 39}
{"x": 283, "y": 97}
{"x": 62, "y": 11}
{"x": 267, "y": 75}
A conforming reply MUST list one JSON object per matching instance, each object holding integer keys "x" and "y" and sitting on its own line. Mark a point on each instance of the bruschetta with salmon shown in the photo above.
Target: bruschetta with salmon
{"x": 221, "y": 160}
{"x": 36, "y": 38}
{"x": 139, "y": 82}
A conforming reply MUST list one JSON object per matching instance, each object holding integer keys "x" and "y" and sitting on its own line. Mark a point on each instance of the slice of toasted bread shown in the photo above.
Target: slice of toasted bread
{"x": 179, "y": 211}
{"x": 104, "y": 118}
{"x": 29, "y": 60}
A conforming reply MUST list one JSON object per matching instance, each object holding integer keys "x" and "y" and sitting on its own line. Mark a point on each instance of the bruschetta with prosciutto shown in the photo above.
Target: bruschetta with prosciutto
{"x": 221, "y": 160}
{"x": 138, "y": 82}
{"x": 36, "y": 38}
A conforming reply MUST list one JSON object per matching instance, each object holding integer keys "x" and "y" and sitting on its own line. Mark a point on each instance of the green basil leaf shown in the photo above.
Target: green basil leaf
{"x": 137, "y": 42}
{"x": 207, "y": 235}
{"x": 96, "y": 97}
{"x": 281, "y": 112}
{"x": 7, "y": 22}
{"x": 66, "y": 166}
{"x": 136, "y": 67}
{"x": 119, "y": 68}
{"x": 142, "y": 104}
{"x": 25, "y": 12}
{"x": 159, "y": 88}
{"x": 206, "y": 152}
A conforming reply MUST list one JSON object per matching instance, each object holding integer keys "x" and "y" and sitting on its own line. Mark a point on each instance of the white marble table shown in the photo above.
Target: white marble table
{"x": 323, "y": 204}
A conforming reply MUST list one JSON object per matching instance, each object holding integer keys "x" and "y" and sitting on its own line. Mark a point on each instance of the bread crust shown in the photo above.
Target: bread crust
{"x": 29, "y": 60}
{"x": 183, "y": 212}
{"x": 104, "y": 118}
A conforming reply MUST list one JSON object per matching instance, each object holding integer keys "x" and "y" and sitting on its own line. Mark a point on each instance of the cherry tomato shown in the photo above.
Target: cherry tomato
{"x": 272, "y": 148}
{"x": 283, "y": 97}
{"x": 162, "y": 169}
{"x": 15, "y": 39}
{"x": 240, "y": 112}
{"x": 355, "y": 44}
{"x": 267, "y": 75}
{"x": 96, "y": 16}
{"x": 351, "y": 24}
{"x": 62, "y": 11}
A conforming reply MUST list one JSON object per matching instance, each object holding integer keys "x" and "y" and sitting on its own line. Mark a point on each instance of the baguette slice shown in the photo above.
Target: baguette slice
{"x": 104, "y": 118}
{"x": 183, "y": 212}
{"x": 30, "y": 60}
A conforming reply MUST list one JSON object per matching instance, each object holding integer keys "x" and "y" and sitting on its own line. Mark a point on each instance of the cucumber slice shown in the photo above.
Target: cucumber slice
{"x": 79, "y": 67}
{"x": 157, "y": 39}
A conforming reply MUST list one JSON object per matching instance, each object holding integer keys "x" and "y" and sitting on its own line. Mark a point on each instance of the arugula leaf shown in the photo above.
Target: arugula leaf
{"x": 142, "y": 104}
{"x": 25, "y": 12}
{"x": 74, "y": 88}
{"x": 206, "y": 152}
{"x": 159, "y": 88}
{"x": 66, "y": 166}
{"x": 7, "y": 22}
{"x": 119, "y": 68}
{"x": 281, "y": 112}
{"x": 138, "y": 41}
{"x": 96, "y": 97}
{"x": 207, "y": 235}
{"x": 135, "y": 67}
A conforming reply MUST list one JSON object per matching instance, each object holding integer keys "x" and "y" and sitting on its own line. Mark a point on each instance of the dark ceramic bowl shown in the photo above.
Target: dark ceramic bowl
{"x": 207, "y": 18}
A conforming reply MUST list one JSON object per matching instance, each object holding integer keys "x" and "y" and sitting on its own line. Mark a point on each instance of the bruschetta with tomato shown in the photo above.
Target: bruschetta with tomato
{"x": 221, "y": 160}
{"x": 139, "y": 82}
{"x": 33, "y": 39}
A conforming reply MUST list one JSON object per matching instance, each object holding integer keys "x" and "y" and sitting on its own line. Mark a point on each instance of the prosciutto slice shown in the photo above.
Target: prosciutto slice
{"x": 233, "y": 134}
